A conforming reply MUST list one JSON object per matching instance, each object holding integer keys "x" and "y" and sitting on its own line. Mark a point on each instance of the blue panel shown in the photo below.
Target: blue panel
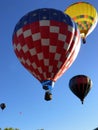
{"x": 43, "y": 14}
{"x": 47, "y": 84}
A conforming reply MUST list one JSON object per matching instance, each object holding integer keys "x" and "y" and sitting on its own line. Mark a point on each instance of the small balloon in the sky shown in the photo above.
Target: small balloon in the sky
{"x": 80, "y": 85}
{"x": 20, "y": 113}
{"x": 2, "y": 105}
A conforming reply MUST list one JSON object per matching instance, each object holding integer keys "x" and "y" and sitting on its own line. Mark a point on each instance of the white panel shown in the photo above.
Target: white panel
{"x": 66, "y": 46}
{"x": 40, "y": 56}
{"x": 45, "y": 42}
{"x": 27, "y": 33}
{"x": 57, "y": 56}
{"x": 19, "y": 32}
{"x": 54, "y": 29}
{"x": 40, "y": 70}
{"x": 46, "y": 62}
{"x": 22, "y": 60}
{"x": 52, "y": 49}
{"x": 71, "y": 29}
{"x": 36, "y": 36}
{"x": 50, "y": 68}
{"x": 25, "y": 48}
{"x": 44, "y": 23}
{"x": 59, "y": 64}
{"x": 32, "y": 51}
{"x": 34, "y": 65}
{"x": 44, "y": 74}
{"x": 62, "y": 37}
{"x": 28, "y": 62}
{"x": 18, "y": 47}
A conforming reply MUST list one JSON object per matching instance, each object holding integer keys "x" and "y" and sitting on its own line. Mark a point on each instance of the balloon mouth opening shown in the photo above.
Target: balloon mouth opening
{"x": 82, "y": 101}
{"x": 47, "y": 84}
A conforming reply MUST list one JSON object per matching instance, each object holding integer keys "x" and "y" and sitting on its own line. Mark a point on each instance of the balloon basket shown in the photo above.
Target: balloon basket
{"x": 48, "y": 96}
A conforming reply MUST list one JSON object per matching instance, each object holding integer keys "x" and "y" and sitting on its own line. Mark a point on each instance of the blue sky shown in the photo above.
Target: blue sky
{"x": 23, "y": 94}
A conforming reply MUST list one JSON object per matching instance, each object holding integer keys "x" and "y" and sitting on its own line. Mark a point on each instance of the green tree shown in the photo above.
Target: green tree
{"x": 40, "y": 129}
{"x": 11, "y": 128}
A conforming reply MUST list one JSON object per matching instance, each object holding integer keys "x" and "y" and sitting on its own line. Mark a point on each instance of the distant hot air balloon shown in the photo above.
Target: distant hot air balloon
{"x": 96, "y": 128}
{"x": 2, "y": 105}
{"x": 85, "y": 15}
{"x": 46, "y": 41}
{"x": 20, "y": 113}
{"x": 80, "y": 85}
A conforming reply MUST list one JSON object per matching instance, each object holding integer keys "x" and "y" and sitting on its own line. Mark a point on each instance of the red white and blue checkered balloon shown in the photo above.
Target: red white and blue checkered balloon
{"x": 46, "y": 41}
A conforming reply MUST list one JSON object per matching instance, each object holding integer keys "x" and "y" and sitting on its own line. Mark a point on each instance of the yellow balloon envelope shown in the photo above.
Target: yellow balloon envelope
{"x": 85, "y": 15}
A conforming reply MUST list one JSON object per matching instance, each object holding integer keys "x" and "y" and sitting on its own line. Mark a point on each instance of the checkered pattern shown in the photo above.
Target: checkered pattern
{"x": 46, "y": 42}
{"x": 84, "y": 24}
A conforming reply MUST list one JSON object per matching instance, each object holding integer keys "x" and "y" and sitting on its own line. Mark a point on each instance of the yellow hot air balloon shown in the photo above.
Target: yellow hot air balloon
{"x": 85, "y": 15}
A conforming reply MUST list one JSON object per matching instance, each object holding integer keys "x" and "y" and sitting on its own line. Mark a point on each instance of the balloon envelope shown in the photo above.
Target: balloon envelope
{"x": 46, "y": 42}
{"x": 85, "y": 15}
{"x": 80, "y": 85}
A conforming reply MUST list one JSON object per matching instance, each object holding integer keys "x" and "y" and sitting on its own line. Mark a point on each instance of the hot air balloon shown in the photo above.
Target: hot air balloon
{"x": 2, "y": 105}
{"x": 80, "y": 85}
{"x": 85, "y": 15}
{"x": 46, "y": 42}
{"x": 96, "y": 128}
